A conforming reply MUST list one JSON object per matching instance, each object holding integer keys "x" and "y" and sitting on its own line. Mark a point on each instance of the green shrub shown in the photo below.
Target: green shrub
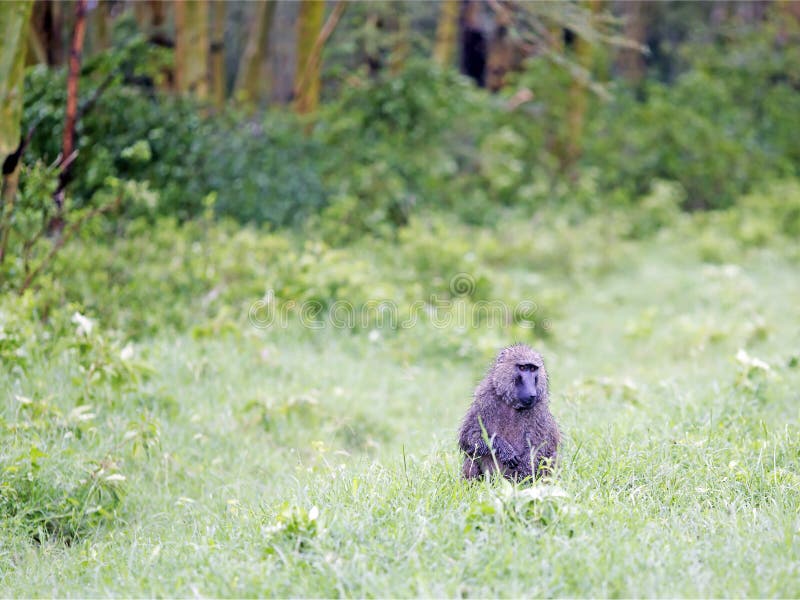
{"x": 668, "y": 137}
{"x": 725, "y": 124}
{"x": 261, "y": 172}
{"x": 398, "y": 143}
{"x": 63, "y": 466}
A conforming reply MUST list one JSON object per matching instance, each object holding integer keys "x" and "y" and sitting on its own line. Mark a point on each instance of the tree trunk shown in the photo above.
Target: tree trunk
{"x": 446, "y": 31}
{"x": 578, "y": 99}
{"x": 14, "y": 19}
{"x": 248, "y": 88}
{"x": 218, "y": 54}
{"x": 719, "y": 14}
{"x": 500, "y": 56}
{"x": 150, "y": 16}
{"x": 158, "y": 14}
{"x": 71, "y": 111}
{"x": 402, "y": 36}
{"x": 631, "y": 60}
{"x": 790, "y": 8}
{"x": 55, "y": 32}
{"x": 307, "y": 82}
{"x": 473, "y": 43}
{"x": 790, "y": 16}
{"x": 191, "y": 47}
{"x": 142, "y": 14}
{"x": 101, "y": 36}
{"x": 37, "y": 53}
{"x": 47, "y": 26}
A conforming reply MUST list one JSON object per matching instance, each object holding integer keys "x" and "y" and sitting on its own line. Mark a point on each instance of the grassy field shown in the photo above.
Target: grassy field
{"x": 297, "y": 462}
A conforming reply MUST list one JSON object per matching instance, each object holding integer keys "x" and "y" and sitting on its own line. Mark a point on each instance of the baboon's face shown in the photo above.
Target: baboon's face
{"x": 526, "y": 385}
{"x": 519, "y": 377}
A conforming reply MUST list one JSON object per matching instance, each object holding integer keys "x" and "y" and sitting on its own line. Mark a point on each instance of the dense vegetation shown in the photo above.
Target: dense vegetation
{"x": 226, "y": 459}
{"x": 203, "y": 392}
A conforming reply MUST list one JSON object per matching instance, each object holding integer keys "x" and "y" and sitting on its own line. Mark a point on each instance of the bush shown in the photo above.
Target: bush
{"x": 725, "y": 124}
{"x": 260, "y": 172}
{"x": 63, "y": 469}
{"x": 398, "y": 142}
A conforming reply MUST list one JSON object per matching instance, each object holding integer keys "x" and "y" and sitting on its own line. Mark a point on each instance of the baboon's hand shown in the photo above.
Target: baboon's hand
{"x": 506, "y": 453}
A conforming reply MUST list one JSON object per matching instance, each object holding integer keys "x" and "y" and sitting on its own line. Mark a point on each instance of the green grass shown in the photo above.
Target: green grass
{"x": 323, "y": 463}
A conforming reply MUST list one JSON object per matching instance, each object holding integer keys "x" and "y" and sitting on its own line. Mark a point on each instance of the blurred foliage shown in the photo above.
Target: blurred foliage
{"x": 261, "y": 172}
{"x": 724, "y": 125}
{"x": 205, "y": 275}
{"x": 397, "y": 142}
{"x": 392, "y": 142}
{"x": 399, "y": 171}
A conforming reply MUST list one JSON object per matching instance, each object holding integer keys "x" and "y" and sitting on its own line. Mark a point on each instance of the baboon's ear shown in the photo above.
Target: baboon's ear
{"x": 502, "y": 355}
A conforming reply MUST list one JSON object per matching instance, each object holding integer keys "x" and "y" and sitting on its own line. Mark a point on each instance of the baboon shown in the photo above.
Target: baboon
{"x": 510, "y": 410}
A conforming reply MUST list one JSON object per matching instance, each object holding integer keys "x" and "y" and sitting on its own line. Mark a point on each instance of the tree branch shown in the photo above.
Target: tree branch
{"x": 71, "y": 113}
{"x": 316, "y": 51}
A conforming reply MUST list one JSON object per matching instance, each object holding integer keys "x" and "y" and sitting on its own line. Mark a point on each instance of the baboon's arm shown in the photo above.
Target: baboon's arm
{"x": 471, "y": 440}
{"x": 474, "y": 445}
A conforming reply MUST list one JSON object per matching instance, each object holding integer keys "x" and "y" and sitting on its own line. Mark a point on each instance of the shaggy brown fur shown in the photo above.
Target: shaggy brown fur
{"x": 524, "y": 439}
